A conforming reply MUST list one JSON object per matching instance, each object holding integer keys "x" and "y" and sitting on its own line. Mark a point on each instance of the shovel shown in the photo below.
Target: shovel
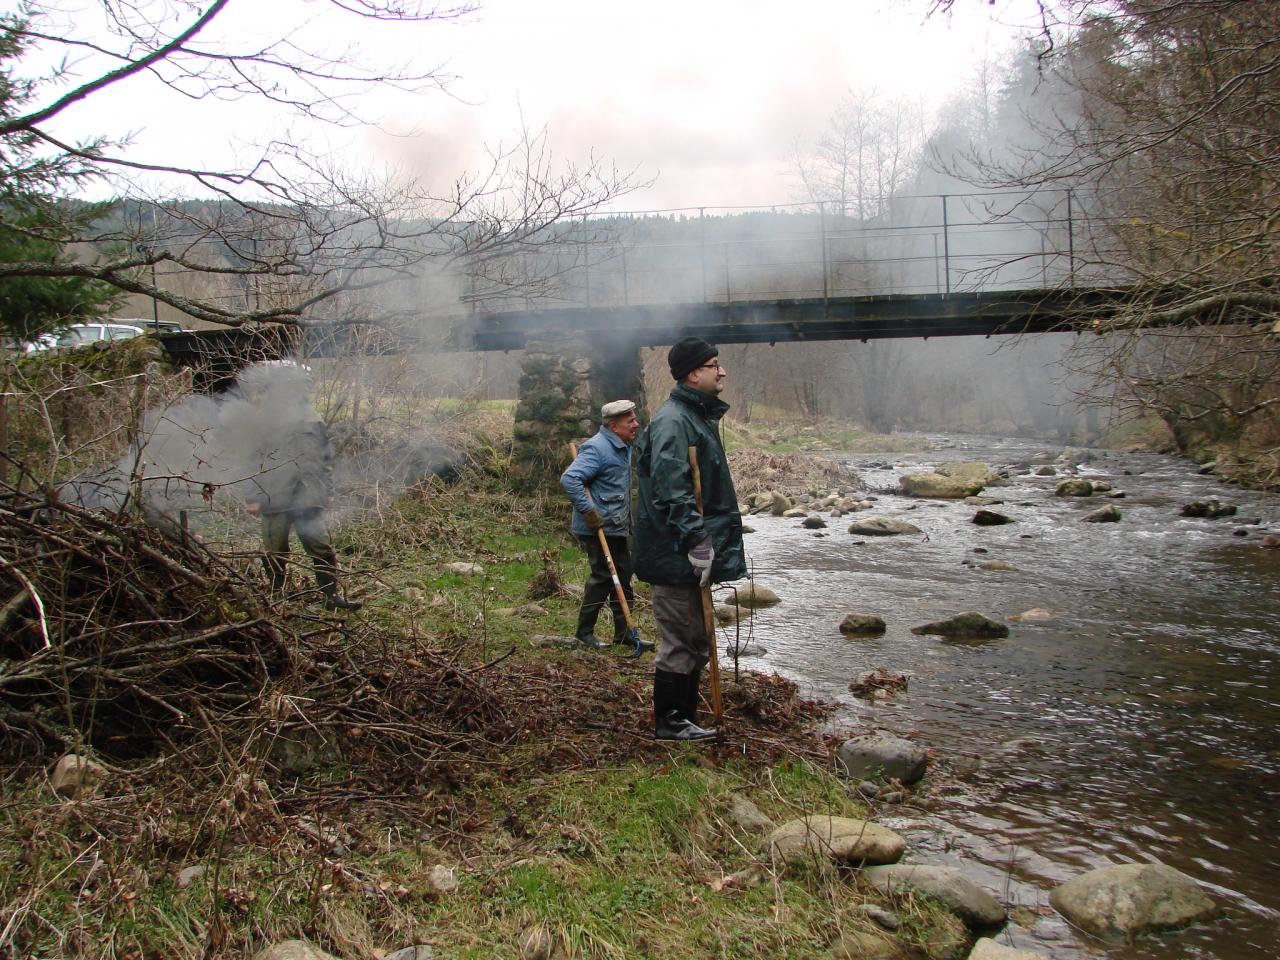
{"x": 640, "y": 645}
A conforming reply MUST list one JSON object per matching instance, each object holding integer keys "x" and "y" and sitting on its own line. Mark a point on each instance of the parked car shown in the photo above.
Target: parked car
{"x": 79, "y": 333}
{"x": 151, "y": 326}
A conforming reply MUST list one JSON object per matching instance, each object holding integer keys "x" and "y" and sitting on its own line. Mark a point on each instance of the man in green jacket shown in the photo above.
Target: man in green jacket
{"x": 678, "y": 549}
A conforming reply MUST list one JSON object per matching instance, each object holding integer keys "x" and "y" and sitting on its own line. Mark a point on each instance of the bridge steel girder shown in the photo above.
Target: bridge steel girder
{"x": 986, "y": 313}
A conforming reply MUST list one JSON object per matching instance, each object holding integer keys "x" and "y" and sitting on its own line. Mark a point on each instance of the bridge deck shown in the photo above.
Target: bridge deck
{"x": 983, "y": 313}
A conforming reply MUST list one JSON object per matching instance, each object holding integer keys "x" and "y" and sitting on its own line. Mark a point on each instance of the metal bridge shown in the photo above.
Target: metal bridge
{"x": 947, "y": 265}
{"x": 1002, "y": 262}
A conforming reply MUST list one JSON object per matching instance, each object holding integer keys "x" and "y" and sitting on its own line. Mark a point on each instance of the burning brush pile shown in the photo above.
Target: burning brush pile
{"x": 135, "y": 640}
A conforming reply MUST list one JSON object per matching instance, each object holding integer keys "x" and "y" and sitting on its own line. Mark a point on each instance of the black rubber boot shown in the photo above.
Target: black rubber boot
{"x": 328, "y": 584}
{"x": 586, "y": 632}
{"x": 691, "y": 696}
{"x": 670, "y": 691}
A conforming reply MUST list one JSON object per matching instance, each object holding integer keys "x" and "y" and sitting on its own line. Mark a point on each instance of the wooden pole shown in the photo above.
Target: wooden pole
{"x": 708, "y": 612}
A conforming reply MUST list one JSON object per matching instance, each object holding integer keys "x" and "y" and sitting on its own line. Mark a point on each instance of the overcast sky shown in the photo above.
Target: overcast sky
{"x": 709, "y": 97}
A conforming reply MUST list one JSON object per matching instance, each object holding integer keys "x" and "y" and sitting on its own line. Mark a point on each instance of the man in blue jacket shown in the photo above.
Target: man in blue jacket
{"x": 680, "y": 549}
{"x": 604, "y": 464}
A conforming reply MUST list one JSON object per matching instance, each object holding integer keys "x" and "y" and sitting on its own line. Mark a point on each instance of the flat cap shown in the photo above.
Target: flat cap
{"x": 616, "y": 408}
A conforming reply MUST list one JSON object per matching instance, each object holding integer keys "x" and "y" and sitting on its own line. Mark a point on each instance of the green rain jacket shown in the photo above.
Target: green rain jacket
{"x": 667, "y": 524}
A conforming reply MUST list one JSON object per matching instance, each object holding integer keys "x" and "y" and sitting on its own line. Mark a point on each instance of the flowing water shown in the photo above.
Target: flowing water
{"x": 1140, "y": 724}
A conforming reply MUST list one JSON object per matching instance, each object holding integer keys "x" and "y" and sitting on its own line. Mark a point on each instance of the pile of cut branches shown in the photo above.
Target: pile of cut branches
{"x": 135, "y": 639}
{"x": 116, "y": 632}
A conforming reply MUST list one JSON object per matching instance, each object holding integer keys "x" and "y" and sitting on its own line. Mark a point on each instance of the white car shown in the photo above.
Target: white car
{"x": 79, "y": 333}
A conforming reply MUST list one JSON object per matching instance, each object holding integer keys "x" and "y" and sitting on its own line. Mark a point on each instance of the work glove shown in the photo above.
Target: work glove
{"x": 593, "y": 520}
{"x": 700, "y": 558}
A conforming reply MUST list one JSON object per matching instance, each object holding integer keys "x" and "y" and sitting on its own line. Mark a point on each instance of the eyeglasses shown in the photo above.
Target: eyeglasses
{"x": 711, "y": 366}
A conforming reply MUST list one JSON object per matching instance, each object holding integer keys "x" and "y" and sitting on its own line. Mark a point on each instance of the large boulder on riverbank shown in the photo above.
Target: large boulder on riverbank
{"x": 842, "y": 840}
{"x": 882, "y": 527}
{"x": 968, "y": 901}
{"x": 937, "y": 486}
{"x": 882, "y": 756}
{"x": 964, "y": 625}
{"x": 292, "y": 950}
{"x": 1122, "y": 901}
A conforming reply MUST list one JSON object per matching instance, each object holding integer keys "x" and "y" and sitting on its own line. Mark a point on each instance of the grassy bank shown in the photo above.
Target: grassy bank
{"x": 432, "y": 771}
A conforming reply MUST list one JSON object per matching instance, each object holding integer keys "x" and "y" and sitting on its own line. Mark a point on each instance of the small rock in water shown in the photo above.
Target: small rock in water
{"x": 1035, "y": 613}
{"x": 964, "y": 625}
{"x": 997, "y": 566}
{"x": 876, "y": 680}
{"x": 753, "y": 595}
{"x": 1210, "y": 509}
{"x": 862, "y": 624}
{"x": 1074, "y": 487}
{"x": 813, "y": 522}
{"x": 981, "y": 550}
{"x": 1107, "y": 514}
{"x": 989, "y": 518}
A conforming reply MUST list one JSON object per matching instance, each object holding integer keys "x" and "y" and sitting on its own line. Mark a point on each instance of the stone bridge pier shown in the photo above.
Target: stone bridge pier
{"x": 564, "y": 380}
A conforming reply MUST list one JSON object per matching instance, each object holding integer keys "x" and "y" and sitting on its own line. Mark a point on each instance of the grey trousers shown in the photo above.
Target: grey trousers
{"x": 308, "y": 523}
{"x": 682, "y": 639}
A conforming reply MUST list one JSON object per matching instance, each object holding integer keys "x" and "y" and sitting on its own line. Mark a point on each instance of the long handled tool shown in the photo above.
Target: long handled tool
{"x": 708, "y": 612}
{"x": 640, "y": 646}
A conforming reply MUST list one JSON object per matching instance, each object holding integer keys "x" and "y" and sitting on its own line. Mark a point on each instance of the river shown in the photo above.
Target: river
{"x": 1140, "y": 724}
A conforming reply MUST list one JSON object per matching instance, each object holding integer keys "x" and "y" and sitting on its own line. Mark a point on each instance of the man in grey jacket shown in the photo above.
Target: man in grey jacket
{"x": 290, "y": 490}
{"x": 603, "y": 464}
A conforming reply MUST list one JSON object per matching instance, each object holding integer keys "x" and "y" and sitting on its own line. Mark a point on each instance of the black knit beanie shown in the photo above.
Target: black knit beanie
{"x": 688, "y": 354}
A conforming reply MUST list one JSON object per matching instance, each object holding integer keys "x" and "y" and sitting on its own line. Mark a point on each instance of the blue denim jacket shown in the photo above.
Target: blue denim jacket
{"x": 604, "y": 464}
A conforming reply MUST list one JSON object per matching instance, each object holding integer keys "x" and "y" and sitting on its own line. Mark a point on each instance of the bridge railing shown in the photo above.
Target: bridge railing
{"x": 936, "y": 244}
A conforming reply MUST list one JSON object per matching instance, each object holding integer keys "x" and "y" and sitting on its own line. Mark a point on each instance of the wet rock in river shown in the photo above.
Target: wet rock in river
{"x": 862, "y": 624}
{"x": 1123, "y": 901}
{"x": 1270, "y": 542}
{"x": 878, "y": 683}
{"x": 753, "y": 595}
{"x": 1046, "y": 471}
{"x": 780, "y": 504}
{"x": 1035, "y": 613}
{"x": 1210, "y": 509}
{"x": 882, "y": 756}
{"x": 964, "y": 625}
{"x": 938, "y": 486}
{"x": 974, "y": 906}
{"x": 1101, "y": 486}
{"x": 725, "y": 613}
{"x": 813, "y": 522}
{"x": 882, "y": 527}
{"x": 979, "y": 473}
{"x": 989, "y": 518}
{"x": 1074, "y": 487}
{"x": 997, "y": 566}
{"x": 795, "y": 512}
{"x": 1107, "y": 514}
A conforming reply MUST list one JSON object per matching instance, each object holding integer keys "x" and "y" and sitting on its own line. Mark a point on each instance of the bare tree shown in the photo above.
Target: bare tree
{"x": 1163, "y": 117}
{"x": 282, "y": 214}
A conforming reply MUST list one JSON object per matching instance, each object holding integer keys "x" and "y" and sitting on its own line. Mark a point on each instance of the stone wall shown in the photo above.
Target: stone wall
{"x": 563, "y": 383}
